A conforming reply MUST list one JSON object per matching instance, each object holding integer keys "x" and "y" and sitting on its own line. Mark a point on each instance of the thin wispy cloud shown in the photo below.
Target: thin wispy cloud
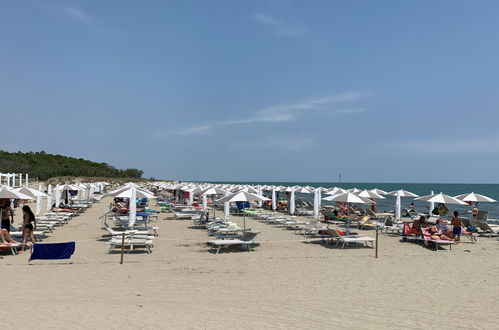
{"x": 279, "y": 28}
{"x": 73, "y": 13}
{"x": 280, "y": 113}
{"x": 439, "y": 147}
{"x": 83, "y": 17}
{"x": 287, "y": 143}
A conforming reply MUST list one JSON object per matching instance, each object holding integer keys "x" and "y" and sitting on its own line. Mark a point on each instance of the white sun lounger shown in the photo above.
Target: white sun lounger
{"x": 131, "y": 243}
{"x": 245, "y": 241}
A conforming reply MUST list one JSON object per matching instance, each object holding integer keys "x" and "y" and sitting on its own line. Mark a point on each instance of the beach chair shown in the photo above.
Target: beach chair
{"x": 346, "y": 239}
{"x": 488, "y": 228}
{"x": 130, "y": 242}
{"x": 12, "y": 247}
{"x": 245, "y": 241}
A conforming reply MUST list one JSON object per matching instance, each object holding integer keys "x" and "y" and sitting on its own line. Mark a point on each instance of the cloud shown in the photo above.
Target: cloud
{"x": 288, "y": 143}
{"x": 439, "y": 147}
{"x": 73, "y": 13}
{"x": 279, "y": 28}
{"x": 82, "y": 17}
{"x": 279, "y": 113}
{"x": 352, "y": 111}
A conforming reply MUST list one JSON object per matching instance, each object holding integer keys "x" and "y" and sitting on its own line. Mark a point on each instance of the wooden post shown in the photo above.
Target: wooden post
{"x": 376, "y": 253}
{"x": 123, "y": 247}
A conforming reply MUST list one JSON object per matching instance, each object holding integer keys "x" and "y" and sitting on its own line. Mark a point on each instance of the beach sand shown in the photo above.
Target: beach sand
{"x": 288, "y": 282}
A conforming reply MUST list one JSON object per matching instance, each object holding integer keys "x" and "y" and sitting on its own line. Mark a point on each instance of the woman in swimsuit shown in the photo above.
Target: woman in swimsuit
{"x": 29, "y": 225}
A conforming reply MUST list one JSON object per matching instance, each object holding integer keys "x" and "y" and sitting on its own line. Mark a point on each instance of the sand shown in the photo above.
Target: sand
{"x": 287, "y": 282}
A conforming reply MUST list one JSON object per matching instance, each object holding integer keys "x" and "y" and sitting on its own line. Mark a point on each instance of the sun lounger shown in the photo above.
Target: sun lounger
{"x": 130, "y": 243}
{"x": 12, "y": 247}
{"x": 488, "y": 228}
{"x": 346, "y": 239}
{"x": 245, "y": 241}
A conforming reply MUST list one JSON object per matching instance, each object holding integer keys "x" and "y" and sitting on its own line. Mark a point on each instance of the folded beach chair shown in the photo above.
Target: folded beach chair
{"x": 245, "y": 241}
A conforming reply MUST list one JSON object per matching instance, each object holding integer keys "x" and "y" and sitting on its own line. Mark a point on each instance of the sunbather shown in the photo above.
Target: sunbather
{"x": 434, "y": 233}
{"x": 63, "y": 209}
{"x": 5, "y": 237}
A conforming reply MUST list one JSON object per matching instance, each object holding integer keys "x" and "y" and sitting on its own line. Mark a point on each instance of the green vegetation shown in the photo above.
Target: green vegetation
{"x": 44, "y": 166}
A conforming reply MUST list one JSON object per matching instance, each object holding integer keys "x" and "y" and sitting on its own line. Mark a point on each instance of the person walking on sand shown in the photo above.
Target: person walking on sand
{"x": 29, "y": 225}
{"x": 457, "y": 223}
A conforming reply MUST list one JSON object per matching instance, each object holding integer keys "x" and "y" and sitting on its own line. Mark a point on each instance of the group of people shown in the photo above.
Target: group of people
{"x": 440, "y": 230}
{"x": 7, "y": 216}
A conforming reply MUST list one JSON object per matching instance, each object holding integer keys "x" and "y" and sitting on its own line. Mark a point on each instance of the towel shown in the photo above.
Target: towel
{"x": 52, "y": 251}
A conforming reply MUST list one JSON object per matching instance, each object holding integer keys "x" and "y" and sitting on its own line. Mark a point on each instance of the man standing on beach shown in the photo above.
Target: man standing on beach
{"x": 457, "y": 223}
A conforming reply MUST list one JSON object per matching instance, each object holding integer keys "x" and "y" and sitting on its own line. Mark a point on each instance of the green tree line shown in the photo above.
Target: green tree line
{"x": 44, "y": 166}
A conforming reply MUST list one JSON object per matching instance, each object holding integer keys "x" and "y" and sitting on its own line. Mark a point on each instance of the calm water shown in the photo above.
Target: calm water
{"x": 490, "y": 190}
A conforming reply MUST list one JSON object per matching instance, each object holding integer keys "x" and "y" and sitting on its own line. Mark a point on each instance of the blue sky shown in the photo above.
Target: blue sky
{"x": 381, "y": 91}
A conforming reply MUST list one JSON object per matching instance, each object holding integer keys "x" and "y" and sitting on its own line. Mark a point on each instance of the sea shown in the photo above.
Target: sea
{"x": 421, "y": 189}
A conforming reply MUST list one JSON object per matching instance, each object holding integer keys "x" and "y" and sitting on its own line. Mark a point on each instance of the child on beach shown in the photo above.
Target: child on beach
{"x": 457, "y": 223}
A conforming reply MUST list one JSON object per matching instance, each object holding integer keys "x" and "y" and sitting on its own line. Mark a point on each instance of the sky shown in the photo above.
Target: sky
{"x": 275, "y": 90}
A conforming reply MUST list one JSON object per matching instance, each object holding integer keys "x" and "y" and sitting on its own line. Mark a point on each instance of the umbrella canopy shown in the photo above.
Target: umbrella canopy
{"x": 243, "y": 196}
{"x": 7, "y": 193}
{"x": 302, "y": 190}
{"x": 335, "y": 191}
{"x": 292, "y": 203}
{"x": 441, "y": 198}
{"x": 378, "y": 191}
{"x": 213, "y": 191}
{"x": 370, "y": 194}
{"x": 348, "y": 197}
{"x": 30, "y": 192}
{"x": 133, "y": 192}
{"x": 472, "y": 197}
{"x": 403, "y": 193}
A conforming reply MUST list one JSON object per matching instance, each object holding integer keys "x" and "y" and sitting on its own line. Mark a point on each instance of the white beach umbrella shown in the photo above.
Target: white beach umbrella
{"x": 226, "y": 207}
{"x": 11, "y": 194}
{"x": 335, "y": 191}
{"x": 132, "y": 207}
{"x": 379, "y": 191}
{"x": 475, "y": 198}
{"x": 370, "y": 194}
{"x": 38, "y": 207}
{"x": 134, "y": 192}
{"x": 403, "y": 193}
{"x": 57, "y": 194}
{"x": 274, "y": 206}
{"x": 432, "y": 204}
{"x": 49, "y": 197}
{"x": 398, "y": 206}
{"x": 348, "y": 197}
{"x": 243, "y": 196}
{"x": 316, "y": 203}
{"x": 354, "y": 190}
{"x": 441, "y": 198}
{"x": 30, "y": 192}
{"x": 398, "y": 203}
{"x": 292, "y": 203}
